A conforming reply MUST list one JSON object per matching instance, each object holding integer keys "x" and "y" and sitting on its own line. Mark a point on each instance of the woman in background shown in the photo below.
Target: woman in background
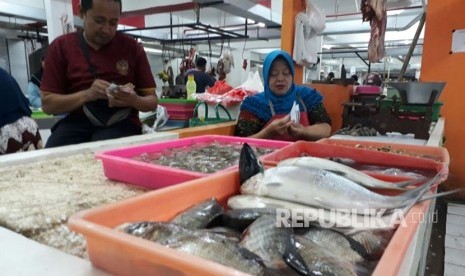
{"x": 266, "y": 115}
{"x": 18, "y": 131}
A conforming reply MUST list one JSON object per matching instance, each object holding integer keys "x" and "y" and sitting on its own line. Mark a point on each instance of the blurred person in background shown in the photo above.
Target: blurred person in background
{"x": 266, "y": 115}
{"x": 202, "y": 79}
{"x": 18, "y": 131}
{"x": 33, "y": 87}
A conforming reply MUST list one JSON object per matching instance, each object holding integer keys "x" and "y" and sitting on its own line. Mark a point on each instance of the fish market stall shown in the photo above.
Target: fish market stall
{"x": 123, "y": 240}
{"x": 40, "y": 189}
{"x": 415, "y": 256}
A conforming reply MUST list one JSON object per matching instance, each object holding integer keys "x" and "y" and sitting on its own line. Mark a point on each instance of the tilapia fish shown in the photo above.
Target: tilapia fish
{"x": 322, "y": 262}
{"x": 347, "y": 172}
{"x": 199, "y": 242}
{"x": 199, "y": 215}
{"x": 324, "y": 189}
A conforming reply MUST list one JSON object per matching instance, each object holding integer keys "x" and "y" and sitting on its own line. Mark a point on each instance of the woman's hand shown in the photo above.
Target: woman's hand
{"x": 279, "y": 126}
{"x": 296, "y": 130}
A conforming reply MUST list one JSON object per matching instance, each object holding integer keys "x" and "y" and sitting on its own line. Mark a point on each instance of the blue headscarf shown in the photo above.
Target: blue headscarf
{"x": 14, "y": 104}
{"x": 259, "y": 104}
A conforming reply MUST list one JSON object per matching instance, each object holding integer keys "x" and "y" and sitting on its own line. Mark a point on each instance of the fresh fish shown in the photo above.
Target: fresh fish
{"x": 335, "y": 242}
{"x": 151, "y": 230}
{"x": 216, "y": 248}
{"x": 374, "y": 242}
{"x": 198, "y": 242}
{"x": 305, "y": 216}
{"x": 324, "y": 189}
{"x": 347, "y": 172}
{"x": 199, "y": 215}
{"x": 321, "y": 261}
{"x": 274, "y": 245}
{"x": 229, "y": 233}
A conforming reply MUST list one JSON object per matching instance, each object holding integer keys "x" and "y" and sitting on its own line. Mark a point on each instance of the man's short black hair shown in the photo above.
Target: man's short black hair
{"x": 200, "y": 62}
{"x": 87, "y": 5}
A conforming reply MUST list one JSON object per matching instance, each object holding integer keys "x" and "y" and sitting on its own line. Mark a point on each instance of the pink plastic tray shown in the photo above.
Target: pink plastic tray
{"x": 119, "y": 164}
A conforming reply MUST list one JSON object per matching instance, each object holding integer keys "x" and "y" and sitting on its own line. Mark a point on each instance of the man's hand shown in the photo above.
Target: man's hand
{"x": 123, "y": 96}
{"x": 97, "y": 90}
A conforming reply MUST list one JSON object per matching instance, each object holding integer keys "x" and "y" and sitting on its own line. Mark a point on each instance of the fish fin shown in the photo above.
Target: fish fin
{"x": 428, "y": 197}
{"x": 293, "y": 258}
{"x": 249, "y": 255}
{"x": 249, "y": 163}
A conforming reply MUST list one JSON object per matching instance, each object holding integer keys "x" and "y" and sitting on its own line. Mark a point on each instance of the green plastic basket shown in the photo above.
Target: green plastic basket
{"x": 196, "y": 121}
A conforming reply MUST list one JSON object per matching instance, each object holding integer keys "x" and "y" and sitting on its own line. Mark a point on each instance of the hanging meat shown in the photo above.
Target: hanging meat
{"x": 375, "y": 12}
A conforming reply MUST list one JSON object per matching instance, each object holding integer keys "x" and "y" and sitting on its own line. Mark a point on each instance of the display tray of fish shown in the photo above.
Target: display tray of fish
{"x": 385, "y": 165}
{"x": 260, "y": 220}
{"x": 437, "y": 154}
{"x": 167, "y": 163}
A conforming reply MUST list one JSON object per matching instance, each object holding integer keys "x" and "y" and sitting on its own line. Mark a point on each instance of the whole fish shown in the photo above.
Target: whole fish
{"x": 199, "y": 215}
{"x": 347, "y": 172}
{"x": 324, "y": 189}
{"x": 198, "y": 242}
{"x": 303, "y": 216}
{"x": 215, "y": 248}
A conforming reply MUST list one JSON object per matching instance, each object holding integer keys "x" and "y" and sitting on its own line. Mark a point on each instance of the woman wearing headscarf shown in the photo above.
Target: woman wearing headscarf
{"x": 266, "y": 115}
{"x": 18, "y": 131}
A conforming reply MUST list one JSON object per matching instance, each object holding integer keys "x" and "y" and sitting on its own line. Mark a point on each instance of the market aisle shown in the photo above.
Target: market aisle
{"x": 455, "y": 240}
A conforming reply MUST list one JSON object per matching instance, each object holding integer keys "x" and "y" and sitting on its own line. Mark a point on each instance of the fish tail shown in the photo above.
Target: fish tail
{"x": 428, "y": 197}
{"x": 415, "y": 195}
{"x": 423, "y": 188}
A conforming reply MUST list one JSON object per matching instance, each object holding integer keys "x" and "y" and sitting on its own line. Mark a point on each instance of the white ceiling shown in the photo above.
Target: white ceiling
{"x": 344, "y": 31}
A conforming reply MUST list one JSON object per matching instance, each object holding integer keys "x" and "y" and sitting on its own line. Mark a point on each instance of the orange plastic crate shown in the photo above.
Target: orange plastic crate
{"x": 123, "y": 254}
{"x": 438, "y": 154}
{"x": 364, "y": 156}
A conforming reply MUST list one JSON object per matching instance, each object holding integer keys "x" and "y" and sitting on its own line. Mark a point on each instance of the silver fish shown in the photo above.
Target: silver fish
{"x": 199, "y": 215}
{"x": 305, "y": 215}
{"x": 324, "y": 189}
{"x": 347, "y": 172}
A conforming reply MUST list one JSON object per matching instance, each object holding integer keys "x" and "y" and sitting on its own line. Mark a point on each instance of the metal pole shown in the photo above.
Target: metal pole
{"x": 412, "y": 47}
